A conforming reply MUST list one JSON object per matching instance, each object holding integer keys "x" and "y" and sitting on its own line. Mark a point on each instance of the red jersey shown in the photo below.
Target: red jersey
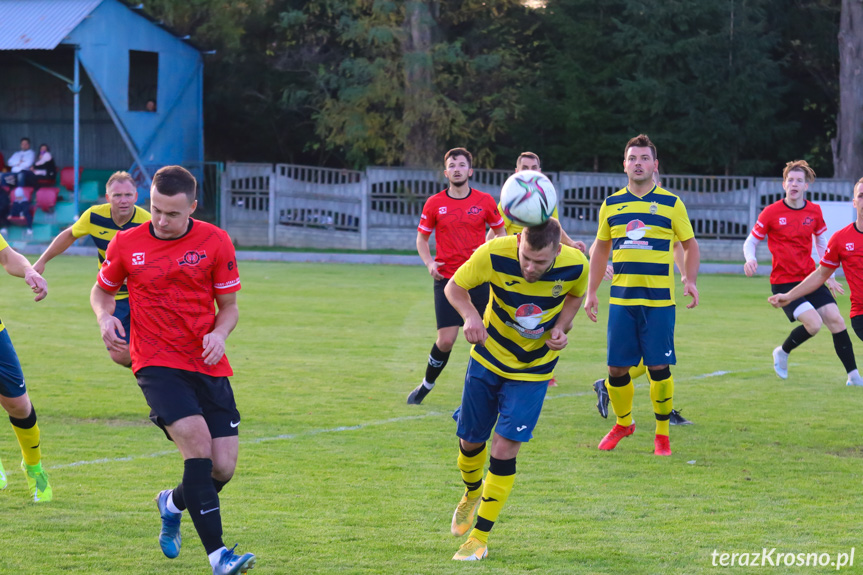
{"x": 845, "y": 248}
{"x": 460, "y": 226}
{"x": 789, "y": 239}
{"x": 172, "y": 286}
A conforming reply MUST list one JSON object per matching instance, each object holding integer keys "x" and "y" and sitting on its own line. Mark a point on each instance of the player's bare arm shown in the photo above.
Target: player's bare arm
{"x": 691, "y": 262}
{"x": 226, "y": 321}
{"x": 598, "y": 263}
{"x": 425, "y": 254}
{"x": 103, "y": 304}
{"x": 557, "y": 336}
{"x": 609, "y": 270}
{"x": 678, "y": 260}
{"x": 60, "y": 244}
{"x": 812, "y": 282}
{"x": 474, "y": 330}
{"x": 17, "y": 265}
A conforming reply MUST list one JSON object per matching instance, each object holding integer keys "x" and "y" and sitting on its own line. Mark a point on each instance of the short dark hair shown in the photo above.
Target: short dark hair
{"x": 173, "y": 180}
{"x": 640, "y": 141}
{"x": 25, "y": 138}
{"x": 530, "y": 155}
{"x": 546, "y": 233}
{"x": 459, "y": 152}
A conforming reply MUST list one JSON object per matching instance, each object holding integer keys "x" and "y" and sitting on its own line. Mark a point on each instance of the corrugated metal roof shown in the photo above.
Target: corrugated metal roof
{"x": 40, "y": 24}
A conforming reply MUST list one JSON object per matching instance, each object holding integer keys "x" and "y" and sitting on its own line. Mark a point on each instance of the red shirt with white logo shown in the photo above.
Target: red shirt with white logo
{"x": 459, "y": 225}
{"x": 845, "y": 248}
{"x": 789, "y": 234}
{"x": 172, "y": 289}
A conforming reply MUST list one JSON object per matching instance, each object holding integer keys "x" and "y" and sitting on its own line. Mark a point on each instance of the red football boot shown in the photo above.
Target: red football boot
{"x": 661, "y": 445}
{"x": 617, "y": 433}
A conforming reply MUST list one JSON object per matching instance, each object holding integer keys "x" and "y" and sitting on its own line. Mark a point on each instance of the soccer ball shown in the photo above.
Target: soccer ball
{"x": 528, "y": 198}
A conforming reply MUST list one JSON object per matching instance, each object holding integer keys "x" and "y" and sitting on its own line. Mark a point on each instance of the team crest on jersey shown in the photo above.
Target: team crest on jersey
{"x": 808, "y": 221}
{"x": 441, "y": 210}
{"x": 782, "y": 221}
{"x": 654, "y": 207}
{"x": 138, "y": 259}
{"x": 527, "y": 317}
{"x": 849, "y": 247}
{"x": 474, "y": 210}
{"x": 192, "y": 258}
{"x": 557, "y": 289}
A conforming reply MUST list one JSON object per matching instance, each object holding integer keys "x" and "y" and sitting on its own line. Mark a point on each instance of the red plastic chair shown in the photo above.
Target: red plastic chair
{"x": 67, "y": 177}
{"x": 46, "y": 199}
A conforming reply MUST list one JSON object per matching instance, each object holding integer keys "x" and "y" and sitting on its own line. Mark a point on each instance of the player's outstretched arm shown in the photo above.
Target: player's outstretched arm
{"x": 17, "y": 265}
{"x": 812, "y": 282}
{"x": 598, "y": 264}
{"x": 557, "y": 339}
{"x": 425, "y": 255}
{"x": 60, "y": 244}
{"x": 474, "y": 330}
{"x": 102, "y": 303}
{"x": 691, "y": 263}
{"x": 226, "y": 320}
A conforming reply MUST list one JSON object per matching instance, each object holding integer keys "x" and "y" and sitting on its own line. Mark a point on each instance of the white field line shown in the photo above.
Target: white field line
{"x": 359, "y": 426}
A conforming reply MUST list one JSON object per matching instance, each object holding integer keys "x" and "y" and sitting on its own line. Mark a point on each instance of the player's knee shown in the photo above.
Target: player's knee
{"x": 445, "y": 342}
{"x": 812, "y": 323}
{"x": 222, "y": 475}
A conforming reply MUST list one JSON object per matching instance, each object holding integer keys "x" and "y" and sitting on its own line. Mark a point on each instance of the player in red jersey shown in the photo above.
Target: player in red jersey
{"x": 458, "y": 217}
{"x": 176, "y": 268}
{"x": 789, "y": 225}
{"x": 846, "y": 249}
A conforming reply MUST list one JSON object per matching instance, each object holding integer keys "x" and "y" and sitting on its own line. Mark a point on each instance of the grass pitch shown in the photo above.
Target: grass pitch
{"x": 338, "y": 475}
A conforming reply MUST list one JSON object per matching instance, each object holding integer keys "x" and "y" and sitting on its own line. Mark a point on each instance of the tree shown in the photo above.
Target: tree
{"x": 848, "y": 145}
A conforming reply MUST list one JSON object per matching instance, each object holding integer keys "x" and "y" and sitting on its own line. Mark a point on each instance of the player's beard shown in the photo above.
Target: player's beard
{"x": 457, "y": 184}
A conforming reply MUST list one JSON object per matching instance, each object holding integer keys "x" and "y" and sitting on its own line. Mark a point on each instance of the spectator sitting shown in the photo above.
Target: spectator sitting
{"x": 20, "y": 164}
{"x": 44, "y": 170}
{"x": 21, "y": 207}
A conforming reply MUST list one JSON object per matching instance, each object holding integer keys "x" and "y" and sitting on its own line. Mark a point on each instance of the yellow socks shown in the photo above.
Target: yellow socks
{"x": 621, "y": 392}
{"x": 498, "y": 485}
{"x": 471, "y": 464}
{"x": 661, "y": 394}
{"x": 637, "y": 371}
{"x": 27, "y": 432}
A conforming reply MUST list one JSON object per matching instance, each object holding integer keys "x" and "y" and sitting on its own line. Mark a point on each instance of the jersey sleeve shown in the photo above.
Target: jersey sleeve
{"x": 493, "y": 217}
{"x": 680, "y": 222}
{"x": 762, "y": 224}
{"x": 604, "y": 231}
{"x": 831, "y": 258}
{"x": 81, "y": 227}
{"x": 427, "y": 219}
{"x": 820, "y": 224}
{"x": 226, "y": 276}
{"x": 113, "y": 272}
{"x": 476, "y": 270}
{"x": 580, "y": 285}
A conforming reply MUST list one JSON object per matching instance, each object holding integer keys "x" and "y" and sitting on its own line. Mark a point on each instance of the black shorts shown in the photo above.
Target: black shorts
{"x": 173, "y": 394}
{"x": 446, "y": 314}
{"x": 857, "y": 325}
{"x": 817, "y": 299}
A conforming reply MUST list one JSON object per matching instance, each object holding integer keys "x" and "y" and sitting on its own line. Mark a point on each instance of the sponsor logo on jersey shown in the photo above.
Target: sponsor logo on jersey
{"x": 635, "y": 230}
{"x": 192, "y": 258}
{"x": 137, "y": 259}
{"x": 527, "y": 317}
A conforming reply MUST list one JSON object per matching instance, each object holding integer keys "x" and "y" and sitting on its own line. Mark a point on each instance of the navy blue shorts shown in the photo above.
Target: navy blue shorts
{"x": 11, "y": 376}
{"x": 173, "y": 394}
{"x": 490, "y": 398}
{"x": 638, "y": 331}
{"x": 123, "y": 313}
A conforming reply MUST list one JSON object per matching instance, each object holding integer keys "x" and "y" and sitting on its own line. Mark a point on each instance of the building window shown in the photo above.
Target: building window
{"x": 143, "y": 81}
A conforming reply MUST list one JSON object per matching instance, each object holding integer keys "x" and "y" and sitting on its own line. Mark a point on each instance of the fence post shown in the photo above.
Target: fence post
{"x": 364, "y": 212}
{"x": 224, "y": 200}
{"x": 271, "y": 225}
{"x": 753, "y": 203}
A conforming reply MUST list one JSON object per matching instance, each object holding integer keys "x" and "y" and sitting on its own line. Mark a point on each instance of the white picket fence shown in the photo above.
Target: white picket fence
{"x": 303, "y": 206}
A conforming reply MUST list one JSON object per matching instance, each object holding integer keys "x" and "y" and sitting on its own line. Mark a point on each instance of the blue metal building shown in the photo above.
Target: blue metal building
{"x": 102, "y": 83}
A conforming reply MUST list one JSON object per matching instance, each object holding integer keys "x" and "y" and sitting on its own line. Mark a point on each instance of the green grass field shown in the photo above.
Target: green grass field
{"x": 338, "y": 475}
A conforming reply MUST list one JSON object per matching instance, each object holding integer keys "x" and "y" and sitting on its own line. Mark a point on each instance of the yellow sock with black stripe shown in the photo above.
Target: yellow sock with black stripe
{"x": 661, "y": 394}
{"x": 620, "y": 392}
{"x": 498, "y": 485}
{"x": 27, "y": 432}
{"x": 637, "y": 371}
{"x": 471, "y": 464}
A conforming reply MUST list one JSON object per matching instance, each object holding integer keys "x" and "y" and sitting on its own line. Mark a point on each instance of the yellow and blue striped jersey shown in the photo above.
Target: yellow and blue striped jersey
{"x": 520, "y": 315}
{"x": 514, "y": 228}
{"x": 98, "y": 224}
{"x": 642, "y": 232}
